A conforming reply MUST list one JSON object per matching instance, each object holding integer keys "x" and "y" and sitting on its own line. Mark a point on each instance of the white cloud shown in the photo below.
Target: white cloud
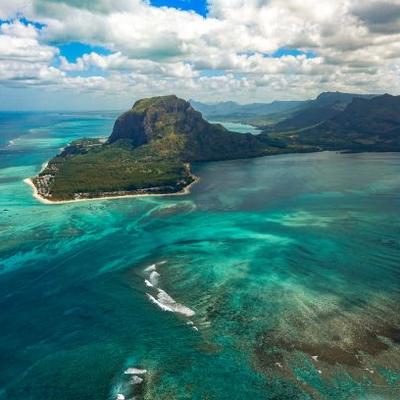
{"x": 10, "y": 8}
{"x": 23, "y": 59}
{"x": 228, "y": 54}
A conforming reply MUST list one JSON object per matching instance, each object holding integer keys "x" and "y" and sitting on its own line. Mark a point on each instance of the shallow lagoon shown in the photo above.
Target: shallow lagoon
{"x": 239, "y": 127}
{"x": 290, "y": 264}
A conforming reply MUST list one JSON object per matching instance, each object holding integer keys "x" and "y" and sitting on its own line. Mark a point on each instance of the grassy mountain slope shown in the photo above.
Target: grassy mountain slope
{"x": 175, "y": 121}
{"x": 326, "y": 106}
{"x": 364, "y": 125}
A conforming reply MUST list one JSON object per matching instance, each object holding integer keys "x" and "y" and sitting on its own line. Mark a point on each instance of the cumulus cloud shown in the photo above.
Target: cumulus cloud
{"x": 119, "y": 62}
{"x": 351, "y": 45}
{"x": 23, "y": 59}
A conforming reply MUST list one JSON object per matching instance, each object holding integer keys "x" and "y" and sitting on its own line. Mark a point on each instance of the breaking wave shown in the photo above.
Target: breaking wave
{"x": 161, "y": 298}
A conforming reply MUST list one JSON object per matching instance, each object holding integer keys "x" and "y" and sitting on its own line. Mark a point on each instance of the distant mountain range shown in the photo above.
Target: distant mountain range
{"x": 366, "y": 124}
{"x": 325, "y": 106}
{"x": 232, "y": 109}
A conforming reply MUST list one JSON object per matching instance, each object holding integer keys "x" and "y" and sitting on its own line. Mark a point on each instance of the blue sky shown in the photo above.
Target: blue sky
{"x": 199, "y": 6}
{"x": 72, "y": 50}
{"x": 24, "y": 21}
{"x": 282, "y": 52}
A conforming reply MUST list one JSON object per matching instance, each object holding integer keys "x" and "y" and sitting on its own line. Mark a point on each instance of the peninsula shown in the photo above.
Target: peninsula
{"x": 148, "y": 152}
{"x": 152, "y": 146}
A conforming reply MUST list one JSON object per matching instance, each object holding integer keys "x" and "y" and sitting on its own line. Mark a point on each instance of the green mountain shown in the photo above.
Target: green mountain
{"x": 310, "y": 113}
{"x": 338, "y": 100}
{"x": 173, "y": 125}
{"x": 366, "y": 124}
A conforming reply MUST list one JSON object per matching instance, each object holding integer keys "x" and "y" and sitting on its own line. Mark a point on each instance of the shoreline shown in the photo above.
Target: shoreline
{"x": 185, "y": 191}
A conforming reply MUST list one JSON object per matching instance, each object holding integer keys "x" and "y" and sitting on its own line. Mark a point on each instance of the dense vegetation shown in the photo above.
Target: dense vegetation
{"x": 365, "y": 124}
{"x": 111, "y": 169}
{"x": 169, "y": 121}
{"x": 327, "y": 105}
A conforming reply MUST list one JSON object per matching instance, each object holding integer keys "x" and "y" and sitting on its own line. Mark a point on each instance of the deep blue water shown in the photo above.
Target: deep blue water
{"x": 290, "y": 265}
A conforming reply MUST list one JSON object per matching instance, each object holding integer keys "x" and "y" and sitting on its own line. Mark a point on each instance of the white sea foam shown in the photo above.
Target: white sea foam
{"x": 154, "y": 278}
{"x": 163, "y": 299}
{"x": 167, "y": 303}
{"x": 135, "y": 371}
{"x": 136, "y": 380}
{"x": 150, "y": 268}
{"x": 194, "y": 327}
{"x": 120, "y": 396}
{"x": 155, "y": 301}
{"x": 153, "y": 267}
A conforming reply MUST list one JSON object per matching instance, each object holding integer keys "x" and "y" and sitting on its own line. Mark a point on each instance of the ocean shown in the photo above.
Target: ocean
{"x": 275, "y": 278}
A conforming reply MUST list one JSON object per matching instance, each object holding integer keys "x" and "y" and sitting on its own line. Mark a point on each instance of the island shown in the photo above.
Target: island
{"x": 152, "y": 147}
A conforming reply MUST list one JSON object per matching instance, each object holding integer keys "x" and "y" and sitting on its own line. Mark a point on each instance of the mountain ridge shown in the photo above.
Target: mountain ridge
{"x": 365, "y": 124}
{"x": 231, "y": 108}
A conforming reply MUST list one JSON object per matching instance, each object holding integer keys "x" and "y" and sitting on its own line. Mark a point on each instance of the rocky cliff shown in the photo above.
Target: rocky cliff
{"x": 174, "y": 120}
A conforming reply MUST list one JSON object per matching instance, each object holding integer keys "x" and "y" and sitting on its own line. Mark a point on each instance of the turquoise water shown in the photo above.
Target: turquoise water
{"x": 239, "y": 127}
{"x": 284, "y": 271}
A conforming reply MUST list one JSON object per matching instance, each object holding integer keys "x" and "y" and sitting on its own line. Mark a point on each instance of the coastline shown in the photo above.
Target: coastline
{"x": 186, "y": 190}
